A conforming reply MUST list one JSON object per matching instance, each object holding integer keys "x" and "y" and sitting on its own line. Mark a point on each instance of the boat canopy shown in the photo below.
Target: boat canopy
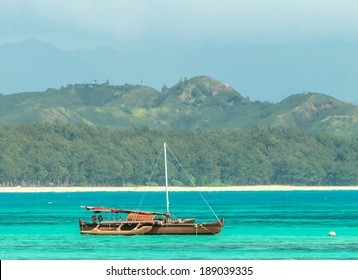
{"x": 135, "y": 216}
{"x": 132, "y": 213}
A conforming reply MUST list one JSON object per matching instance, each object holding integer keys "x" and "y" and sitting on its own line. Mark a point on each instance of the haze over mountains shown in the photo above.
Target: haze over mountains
{"x": 261, "y": 72}
{"x": 197, "y": 103}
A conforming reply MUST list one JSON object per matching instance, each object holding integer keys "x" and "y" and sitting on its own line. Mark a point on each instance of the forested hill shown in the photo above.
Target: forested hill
{"x": 200, "y": 102}
{"x": 62, "y": 154}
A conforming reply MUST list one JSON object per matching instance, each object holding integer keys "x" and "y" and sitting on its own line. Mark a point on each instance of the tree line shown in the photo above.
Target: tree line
{"x": 72, "y": 155}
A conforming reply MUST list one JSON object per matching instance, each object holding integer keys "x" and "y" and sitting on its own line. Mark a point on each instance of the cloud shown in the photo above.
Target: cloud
{"x": 133, "y": 23}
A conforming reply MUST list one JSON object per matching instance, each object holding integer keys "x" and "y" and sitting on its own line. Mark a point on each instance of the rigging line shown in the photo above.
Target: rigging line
{"x": 208, "y": 229}
{"x": 207, "y": 203}
{"x": 191, "y": 181}
{"x": 155, "y": 166}
{"x": 143, "y": 193}
{"x": 139, "y": 206}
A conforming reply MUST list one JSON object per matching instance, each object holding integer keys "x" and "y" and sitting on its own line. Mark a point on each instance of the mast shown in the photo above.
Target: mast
{"x": 166, "y": 176}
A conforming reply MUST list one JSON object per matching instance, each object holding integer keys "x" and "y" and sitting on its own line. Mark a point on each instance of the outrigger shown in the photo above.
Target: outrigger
{"x": 142, "y": 222}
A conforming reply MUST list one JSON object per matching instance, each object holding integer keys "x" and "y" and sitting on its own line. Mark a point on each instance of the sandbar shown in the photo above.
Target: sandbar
{"x": 21, "y": 189}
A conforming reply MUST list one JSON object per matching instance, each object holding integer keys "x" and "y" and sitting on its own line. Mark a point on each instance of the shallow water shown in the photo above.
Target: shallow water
{"x": 258, "y": 225}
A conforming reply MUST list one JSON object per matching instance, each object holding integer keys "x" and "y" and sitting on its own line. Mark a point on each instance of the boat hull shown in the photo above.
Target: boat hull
{"x": 183, "y": 229}
{"x": 151, "y": 228}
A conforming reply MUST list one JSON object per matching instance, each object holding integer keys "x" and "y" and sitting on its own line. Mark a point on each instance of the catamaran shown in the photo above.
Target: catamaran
{"x": 143, "y": 222}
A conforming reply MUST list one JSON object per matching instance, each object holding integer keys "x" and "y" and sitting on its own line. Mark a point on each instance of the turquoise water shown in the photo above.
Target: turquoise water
{"x": 258, "y": 225}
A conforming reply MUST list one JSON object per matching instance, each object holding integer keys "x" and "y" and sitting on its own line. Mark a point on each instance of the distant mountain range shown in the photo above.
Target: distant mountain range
{"x": 197, "y": 103}
{"x": 262, "y": 72}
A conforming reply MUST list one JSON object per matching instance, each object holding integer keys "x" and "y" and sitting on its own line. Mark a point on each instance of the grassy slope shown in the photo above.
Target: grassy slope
{"x": 200, "y": 102}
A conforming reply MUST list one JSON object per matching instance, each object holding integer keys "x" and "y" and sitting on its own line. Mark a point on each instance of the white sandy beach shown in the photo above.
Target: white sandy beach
{"x": 19, "y": 189}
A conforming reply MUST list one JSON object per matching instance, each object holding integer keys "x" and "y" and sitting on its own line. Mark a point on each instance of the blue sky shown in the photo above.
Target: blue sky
{"x": 141, "y": 24}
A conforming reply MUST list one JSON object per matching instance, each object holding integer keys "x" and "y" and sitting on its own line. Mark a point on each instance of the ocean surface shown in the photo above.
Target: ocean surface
{"x": 258, "y": 225}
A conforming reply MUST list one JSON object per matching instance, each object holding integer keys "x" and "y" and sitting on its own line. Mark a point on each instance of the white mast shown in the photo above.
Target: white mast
{"x": 166, "y": 176}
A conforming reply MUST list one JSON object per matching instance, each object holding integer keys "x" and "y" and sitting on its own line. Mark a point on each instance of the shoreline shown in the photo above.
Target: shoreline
{"x": 19, "y": 189}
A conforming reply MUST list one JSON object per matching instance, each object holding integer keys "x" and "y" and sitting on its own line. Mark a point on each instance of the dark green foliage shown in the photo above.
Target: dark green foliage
{"x": 62, "y": 154}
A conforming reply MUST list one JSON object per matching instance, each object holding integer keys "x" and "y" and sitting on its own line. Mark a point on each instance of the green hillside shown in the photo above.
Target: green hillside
{"x": 200, "y": 102}
{"x": 314, "y": 111}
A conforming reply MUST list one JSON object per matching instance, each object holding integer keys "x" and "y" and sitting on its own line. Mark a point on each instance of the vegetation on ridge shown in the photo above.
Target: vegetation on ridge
{"x": 200, "y": 102}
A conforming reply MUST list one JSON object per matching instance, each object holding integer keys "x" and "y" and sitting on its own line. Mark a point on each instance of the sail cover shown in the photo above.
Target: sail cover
{"x": 135, "y": 216}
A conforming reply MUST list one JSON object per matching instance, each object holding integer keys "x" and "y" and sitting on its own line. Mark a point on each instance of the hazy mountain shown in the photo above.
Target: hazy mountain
{"x": 200, "y": 102}
{"x": 262, "y": 72}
